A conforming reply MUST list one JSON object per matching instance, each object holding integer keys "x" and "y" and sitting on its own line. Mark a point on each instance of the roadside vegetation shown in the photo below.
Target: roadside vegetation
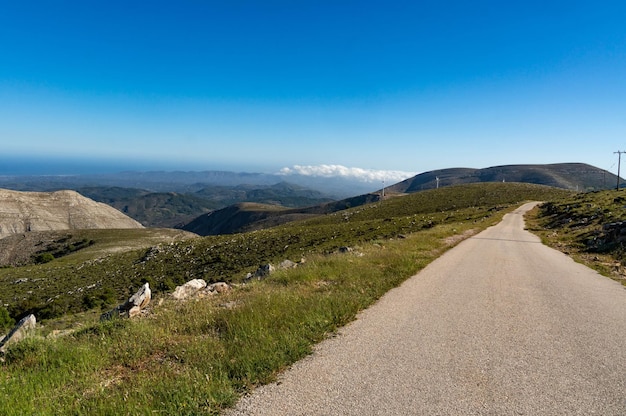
{"x": 590, "y": 227}
{"x": 198, "y": 357}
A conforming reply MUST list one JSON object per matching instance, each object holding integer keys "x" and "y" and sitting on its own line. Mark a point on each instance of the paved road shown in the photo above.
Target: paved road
{"x": 499, "y": 325}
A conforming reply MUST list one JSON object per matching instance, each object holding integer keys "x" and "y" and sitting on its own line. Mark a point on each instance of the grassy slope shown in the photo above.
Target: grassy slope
{"x": 575, "y": 225}
{"x": 197, "y": 357}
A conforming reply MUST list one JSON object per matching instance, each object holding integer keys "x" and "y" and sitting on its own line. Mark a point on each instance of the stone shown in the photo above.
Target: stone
{"x": 219, "y": 287}
{"x": 263, "y": 271}
{"x": 189, "y": 289}
{"x": 345, "y": 249}
{"x": 141, "y": 298}
{"x": 132, "y": 307}
{"x": 19, "y": 332}
{"x": 287, "y": 264}
{"x": 59, "y": 333}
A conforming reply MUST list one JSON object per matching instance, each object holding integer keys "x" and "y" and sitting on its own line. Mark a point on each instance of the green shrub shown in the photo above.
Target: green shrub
{"x": 44, "y": 258}
{"x": 100, "y": 298}
{"x": 5, "y": 319}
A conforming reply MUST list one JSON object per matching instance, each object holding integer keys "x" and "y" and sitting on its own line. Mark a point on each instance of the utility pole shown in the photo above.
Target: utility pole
{"x": 619, "y": 160}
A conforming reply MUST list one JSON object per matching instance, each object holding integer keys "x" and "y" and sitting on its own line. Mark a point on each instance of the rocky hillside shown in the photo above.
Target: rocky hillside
{"x": 591, "y": 227}
{"x": 22, "y": 212}
{"x": 573, "y": 176}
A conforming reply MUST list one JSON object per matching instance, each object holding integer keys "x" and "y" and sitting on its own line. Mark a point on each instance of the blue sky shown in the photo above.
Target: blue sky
{"x": 262, "y": 85}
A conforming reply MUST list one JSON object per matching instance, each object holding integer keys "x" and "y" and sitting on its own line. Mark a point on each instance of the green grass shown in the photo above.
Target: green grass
{"x": 574, "y": 225}
{"x": 198, "y": 357}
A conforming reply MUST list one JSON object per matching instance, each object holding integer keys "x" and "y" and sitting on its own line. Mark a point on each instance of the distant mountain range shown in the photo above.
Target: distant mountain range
{"x": 247, "y": 217}
{"x": 245, "y": 201}
{"x": 187, "y": 182}
{"x": 173, "y": 209}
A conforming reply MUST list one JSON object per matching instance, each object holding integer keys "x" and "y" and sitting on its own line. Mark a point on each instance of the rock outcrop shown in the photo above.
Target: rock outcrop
{"x": 132, "y": 307}
{"x": 22, "y": 212}
{"x": 189, "y": 289}
{"x": 18, "y": 332}
{"x": 219, "y": 287}
{"x": 198, "y": 288}
{"x": 267, "y": 269}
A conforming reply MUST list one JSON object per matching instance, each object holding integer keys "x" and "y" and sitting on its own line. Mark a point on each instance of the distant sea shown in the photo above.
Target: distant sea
{"x": 36, "y": 166}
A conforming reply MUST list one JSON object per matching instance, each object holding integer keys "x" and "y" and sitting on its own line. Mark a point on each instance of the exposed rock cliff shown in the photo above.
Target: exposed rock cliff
{"x": 22, "y": 212}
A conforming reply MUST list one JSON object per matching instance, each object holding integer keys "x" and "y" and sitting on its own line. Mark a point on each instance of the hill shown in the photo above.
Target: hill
{"x": 151, "y": 209}
{"x": 282, "y": 193}
{"x": 23, "y": 212}
{"x": 574, "y": 176}
{"x": 249, "y": 217}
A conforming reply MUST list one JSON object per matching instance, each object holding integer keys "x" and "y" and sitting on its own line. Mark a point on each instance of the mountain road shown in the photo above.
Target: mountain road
{"x": 498, "y": 325}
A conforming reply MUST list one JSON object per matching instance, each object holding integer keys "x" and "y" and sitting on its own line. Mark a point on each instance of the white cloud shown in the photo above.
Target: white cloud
{"x": 365, "y": 175}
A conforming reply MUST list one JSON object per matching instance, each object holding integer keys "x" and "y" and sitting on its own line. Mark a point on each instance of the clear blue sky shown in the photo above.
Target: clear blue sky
{"x": 262, "y": 85}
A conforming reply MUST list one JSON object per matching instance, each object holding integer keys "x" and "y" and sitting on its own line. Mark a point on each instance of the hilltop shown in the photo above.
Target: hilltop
{"x": 574, "y": 176}
{"x": 23, "y": 212}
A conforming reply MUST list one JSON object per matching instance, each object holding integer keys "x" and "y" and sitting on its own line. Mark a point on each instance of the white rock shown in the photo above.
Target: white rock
{"x": 18, "y": 332}
{"x": 219, "y": 287}
{"x": 189, "y": 289}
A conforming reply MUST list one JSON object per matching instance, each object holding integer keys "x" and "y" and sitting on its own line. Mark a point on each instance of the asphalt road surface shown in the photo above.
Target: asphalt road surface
{"x": 499, "y": 325}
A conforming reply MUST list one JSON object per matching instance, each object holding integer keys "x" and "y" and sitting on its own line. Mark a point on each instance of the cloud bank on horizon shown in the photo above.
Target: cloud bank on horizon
{"x": 331, "y": 171}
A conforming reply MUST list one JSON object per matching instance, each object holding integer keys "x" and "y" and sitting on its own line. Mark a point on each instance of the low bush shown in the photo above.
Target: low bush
{"x": 6, "y": 321}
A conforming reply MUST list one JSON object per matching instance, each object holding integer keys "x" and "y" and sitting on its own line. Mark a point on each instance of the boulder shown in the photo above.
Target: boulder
{"x": 189, "y": 289}
{"x": 287, "y": 264}
{"x": 19, "y": 332}
{"x": 141, "y": 298}
{"x": 132, "y": 307}
{"x": 219, "y": 287}
{"x": 263, "y": 271}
